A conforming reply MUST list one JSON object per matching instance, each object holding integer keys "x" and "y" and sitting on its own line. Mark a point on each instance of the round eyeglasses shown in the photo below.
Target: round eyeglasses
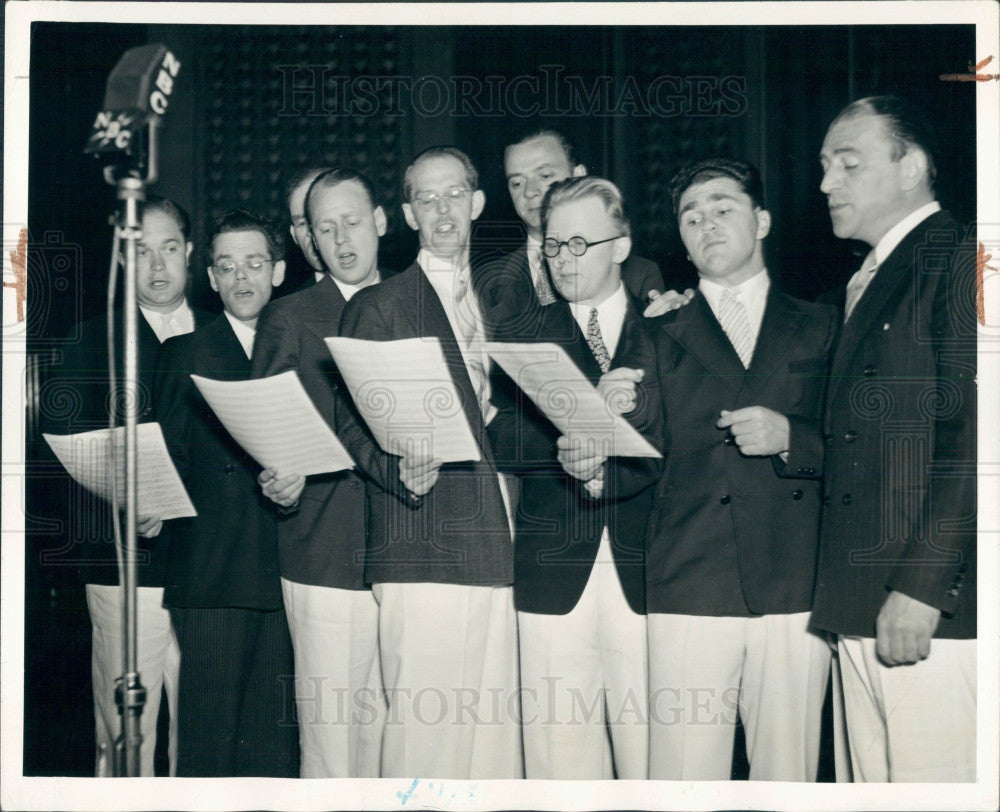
{"x": 577, "y": 245}
{"x": 254, "y": 264}
{"x": 426, "y": 200}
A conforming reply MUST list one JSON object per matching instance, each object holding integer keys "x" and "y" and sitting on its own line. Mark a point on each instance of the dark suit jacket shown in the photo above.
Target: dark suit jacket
{"x": 901, "y": 441}
{"x": 322, "y": 541}
{"x": 227, "y": 555}
{"x": 507, "y": 295}
{"x": 559, "y": 526}
{"x": 730, "y": 535}
{"x": 458, "y": 533}
{"x": 76, "y": 398}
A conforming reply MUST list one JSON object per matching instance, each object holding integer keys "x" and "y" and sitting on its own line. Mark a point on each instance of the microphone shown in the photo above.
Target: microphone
{"x": 136, "y": 96}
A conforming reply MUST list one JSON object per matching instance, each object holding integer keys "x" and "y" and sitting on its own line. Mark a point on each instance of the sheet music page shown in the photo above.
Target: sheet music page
{"x": 405, "y": 394}
{"x": 276, "y": 423}
{"x": 557, "y": 386}
{"x": 89, "y": 457}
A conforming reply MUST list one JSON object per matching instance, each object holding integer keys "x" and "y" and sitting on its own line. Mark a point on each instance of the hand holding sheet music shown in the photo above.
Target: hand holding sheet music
{"x": 91, "y": 457}
{"x": 276, "y": 423}
{"x": 557, "y": 386}
{"x": 405, "y": 394}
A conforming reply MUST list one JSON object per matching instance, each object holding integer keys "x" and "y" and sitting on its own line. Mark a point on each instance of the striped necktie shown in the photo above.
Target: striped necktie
{"x": 859, "y": 283}
{"x": 733, "y": 318}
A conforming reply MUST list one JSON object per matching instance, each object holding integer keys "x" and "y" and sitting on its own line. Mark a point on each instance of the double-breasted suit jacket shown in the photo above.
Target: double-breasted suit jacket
{"x": 900, "y": 427}
{"x": 457, "y": 533}
{"x": 559, "y": 526}
{"x": 322, "y": 540}
{"x": 729, "y": 534}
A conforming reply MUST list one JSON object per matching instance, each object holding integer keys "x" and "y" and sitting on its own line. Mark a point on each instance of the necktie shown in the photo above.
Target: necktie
{"x": 733, "y": 318}
{"x": 543, "y": 288}
{"x": 596, "y": 342}
{"x": 859, "y": 283}
{"x": 467, "y": 316}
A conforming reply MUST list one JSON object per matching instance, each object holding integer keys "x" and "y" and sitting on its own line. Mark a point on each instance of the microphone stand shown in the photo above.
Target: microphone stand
{"x": 130, "y": 695}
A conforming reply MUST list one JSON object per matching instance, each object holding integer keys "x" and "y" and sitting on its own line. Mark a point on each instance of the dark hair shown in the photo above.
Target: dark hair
{"x": 243, "y": 220}
{"x": 743, "y": 172}
{"x": 563, "y": 191}
{"x": 542, "y": 132}
{"x": 155, "y": 202}
{"x": 907, "y": 126}
{"x": 471, "y": 175}
{"x": 299, "y": 178}
{"x": 333, "y": 177}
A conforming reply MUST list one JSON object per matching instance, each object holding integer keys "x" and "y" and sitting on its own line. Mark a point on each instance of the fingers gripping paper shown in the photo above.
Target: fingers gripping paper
{"x": 562, "y": 392}
{"x": 405, "y": 394}
{"x": 92, "y": 456}
{"x": 276, "y": 423}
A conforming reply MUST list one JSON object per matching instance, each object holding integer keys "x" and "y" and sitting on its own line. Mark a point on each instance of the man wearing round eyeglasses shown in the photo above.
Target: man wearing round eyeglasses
{"x": 578, "y": 569}
{"x": 440, "y": 556}
{"x": 222, "y": 584}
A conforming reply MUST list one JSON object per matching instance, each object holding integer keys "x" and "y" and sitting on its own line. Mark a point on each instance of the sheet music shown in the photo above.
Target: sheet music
{"x": 89, "y": 458}
{"x": 276, "y": 423}
{"x": 557, "y": 386}
{"x": 405, "y": 394}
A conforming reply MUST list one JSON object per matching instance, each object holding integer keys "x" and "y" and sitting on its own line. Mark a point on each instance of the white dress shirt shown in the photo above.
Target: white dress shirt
{"x": 244, "y": 332}
{"x": 167, "y": 325}
{"x": 610, "y": 317}
{"x": 752, "y": 293}
{"x": 347, "y": 291}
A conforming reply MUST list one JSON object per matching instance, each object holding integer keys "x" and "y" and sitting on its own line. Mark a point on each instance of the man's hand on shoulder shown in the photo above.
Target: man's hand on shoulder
{"x": 660, "y": 303}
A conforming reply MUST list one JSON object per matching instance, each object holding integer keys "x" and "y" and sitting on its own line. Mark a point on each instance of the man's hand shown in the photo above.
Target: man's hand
{"x": 904, "y": 628}
{"x": 617, "y": 387}
{"x": 758, "y": 431}
{"x": 148, "y": 526}
{"x": 283, "y": 491}
{"x": 419, "y": 473}
{"x": 580, "y": 457}
{"x": 660, "y": 303}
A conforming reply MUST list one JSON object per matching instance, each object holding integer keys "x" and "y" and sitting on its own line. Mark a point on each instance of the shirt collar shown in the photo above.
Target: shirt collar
{"x": 754, "y": 287}
{"x": 615, "y": 303}
{"x": 244, "y": 332}
{"x": 894, "y": 236}
{"x": 347, "y": 291}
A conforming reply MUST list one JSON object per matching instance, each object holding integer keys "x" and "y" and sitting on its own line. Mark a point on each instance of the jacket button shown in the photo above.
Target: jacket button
{"x": 851, "y": 436}
{"x": 847, "y": 499}
{"x": 355, "y": 484}
{"x": 228, "y": 469}
{"x": 725, "y": 500}
{"x": 730, "y": 440}
{"x": 797, "y": 494}
{"x": 827, "y": 501}
{"x": 953, "y": 592}
{"x": 870, "y": 370}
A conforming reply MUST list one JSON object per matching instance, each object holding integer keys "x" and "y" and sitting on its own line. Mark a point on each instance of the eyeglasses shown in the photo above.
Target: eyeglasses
{"x": 577, "y": 245}
{"x": 254, "y": 264}
{"x": 426, "y": 200}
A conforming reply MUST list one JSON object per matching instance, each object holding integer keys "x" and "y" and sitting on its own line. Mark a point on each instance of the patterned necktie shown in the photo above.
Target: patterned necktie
{"x": 467, "y": 316}
{"x": 596, "y": 342}
{"x": 859, "y": 284}
{"x": 733, "y": 318}
{"x": 543, "y": 288}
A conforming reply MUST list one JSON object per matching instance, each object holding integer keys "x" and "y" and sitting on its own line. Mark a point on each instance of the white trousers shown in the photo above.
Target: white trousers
{"x": 338, "y": 683}
{"x": 158, "y": 660}
{"x": 449, "y": 664}
{"x": 703, "y": 671}
{"x": 910, "y": 722}
{"x": 584, "y": 685}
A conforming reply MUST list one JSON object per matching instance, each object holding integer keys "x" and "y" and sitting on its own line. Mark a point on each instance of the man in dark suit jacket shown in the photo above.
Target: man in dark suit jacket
{"x": 440, "y": 557}
{"x": 732, "y": 393}
{"x": 82, "y": 381}
{"x": 221, "y": 582}
{"x": 321, "y": 532}
{"x": 579, "y": 579}
{"x": 512, "y": 287}
{"x": 897, "y": 560}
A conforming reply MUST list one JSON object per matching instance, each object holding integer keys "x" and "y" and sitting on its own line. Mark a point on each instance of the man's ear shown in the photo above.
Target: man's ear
{"x": 381, "y": 224}
{"x": 295, "y": 239}
{"x": 211, "y": 279}
{"x": 623, "y": 247}
{"x": 578, "y": 171}
{"x": 478, "y": 203}
{"x": 913, "y": 166}
{"x": 763, "y": 223}
{"x": 411, "y": 221}
{"x": 189, "y": 247}
{"x": 279, "y": 273}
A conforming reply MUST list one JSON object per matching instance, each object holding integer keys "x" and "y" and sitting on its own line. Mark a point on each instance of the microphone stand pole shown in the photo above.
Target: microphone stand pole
{"x": 130, "y": 695}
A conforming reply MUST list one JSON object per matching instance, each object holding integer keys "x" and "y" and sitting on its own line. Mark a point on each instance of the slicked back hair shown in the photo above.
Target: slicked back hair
{"x": 569, "y": 189}
{"x": 743, "y": 172}
{"x": 243, "y": 220}
{"x": 542, "y": 132}
{"x": 155, "y": 202}
{"x": 442, "y": 151}
{"x": 300, "y": 178}
{"x": 333, "y": 177}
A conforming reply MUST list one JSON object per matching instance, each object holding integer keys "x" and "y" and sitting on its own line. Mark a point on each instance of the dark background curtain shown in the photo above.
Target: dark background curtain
{"x": 253, "y": 105}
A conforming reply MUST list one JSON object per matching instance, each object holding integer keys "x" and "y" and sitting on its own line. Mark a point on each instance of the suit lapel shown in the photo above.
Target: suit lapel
{"x": 221, "y": 353}
{"x": 328, "y": 305}
{"x": 777, "y": 334}
{"x": 699, "y": 332}
{"x": 556, "y": 322}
